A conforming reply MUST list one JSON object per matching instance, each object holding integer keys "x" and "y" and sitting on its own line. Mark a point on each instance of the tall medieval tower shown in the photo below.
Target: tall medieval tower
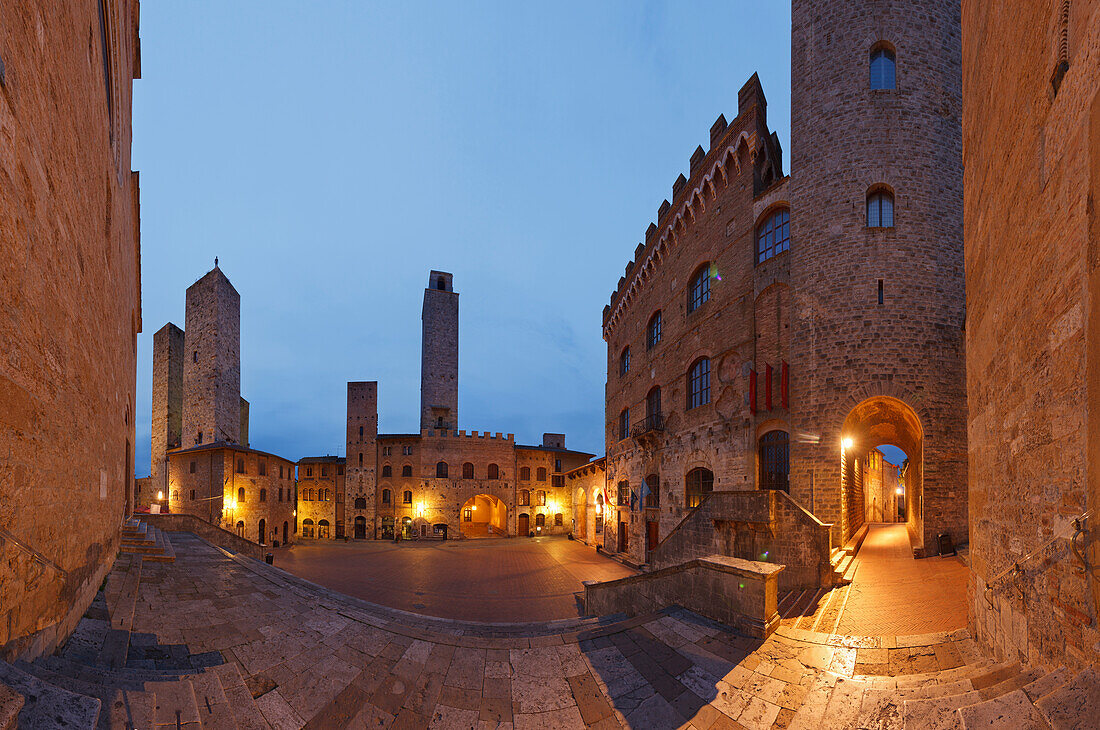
{"x": 212, "y": 408}
{"x": 168, "y": 346}
{"x": 439, "y": 354}
{"x": 877, "y": 280}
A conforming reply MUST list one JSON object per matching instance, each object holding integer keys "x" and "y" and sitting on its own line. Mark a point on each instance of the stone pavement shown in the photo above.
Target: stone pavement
{"x": 516, "y": 580}
{"x": 228, "y": 642}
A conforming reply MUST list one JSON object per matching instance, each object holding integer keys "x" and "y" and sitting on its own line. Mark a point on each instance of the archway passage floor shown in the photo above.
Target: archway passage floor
{"x": 894, "y": 594}
{"x": 498, "y": 580}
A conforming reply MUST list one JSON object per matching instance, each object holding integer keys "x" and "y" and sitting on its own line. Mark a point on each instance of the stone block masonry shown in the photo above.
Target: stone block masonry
{"x": 439, "y": 354}
{"x": 70, "y": 309}
{"x": 167, "y": 427}
{"x": 212, "y": 362}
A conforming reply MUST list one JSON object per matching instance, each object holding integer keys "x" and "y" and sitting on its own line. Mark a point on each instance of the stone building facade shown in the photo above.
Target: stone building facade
{"x": 321, "y": 497}
{"x": 1031, "y": 142}
{"x": 772, "y": 331}
{"x": 443, "y": 481}
{"x": 201, "y": 462}
{"x": 71, "y": 290}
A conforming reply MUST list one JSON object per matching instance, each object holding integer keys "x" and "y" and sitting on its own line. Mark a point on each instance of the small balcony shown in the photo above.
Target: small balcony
{"x": 649, "y": 429}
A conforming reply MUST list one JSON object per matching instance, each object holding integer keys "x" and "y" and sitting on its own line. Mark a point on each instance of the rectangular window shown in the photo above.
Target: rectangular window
{"x": 263, "y": 468}
{"x": 880, "y": 291}
{"x": 309, "y": 471}
{"x": 280, "y": 471}
{"x": 192, "y": 467}
{"x": 339, "y": 471}
{"x": 240, "y": 466}
{"x": 324, "y": 471}
{"x": 624, "y": 423}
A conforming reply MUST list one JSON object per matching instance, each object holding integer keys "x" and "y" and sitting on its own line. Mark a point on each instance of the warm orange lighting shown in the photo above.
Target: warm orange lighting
{"x": 846, "y": 443}
{"x": 160, "y": 495}
{"x": 474, "y": 508}
{"x": 899, "y": 491}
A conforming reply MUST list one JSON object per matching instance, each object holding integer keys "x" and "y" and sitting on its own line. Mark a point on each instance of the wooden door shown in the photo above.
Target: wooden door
{"x": 650, "y": 535}
{"x": 524, "y": 525}
{"x": 622, "y": 537}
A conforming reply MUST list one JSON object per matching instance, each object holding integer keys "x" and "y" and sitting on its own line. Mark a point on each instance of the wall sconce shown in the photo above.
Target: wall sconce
{"x": 846, "y": 443}
{"x": 160, "y": 496}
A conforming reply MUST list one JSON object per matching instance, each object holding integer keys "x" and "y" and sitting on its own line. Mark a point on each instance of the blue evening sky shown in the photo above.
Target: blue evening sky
{"x": 332, "y": 153}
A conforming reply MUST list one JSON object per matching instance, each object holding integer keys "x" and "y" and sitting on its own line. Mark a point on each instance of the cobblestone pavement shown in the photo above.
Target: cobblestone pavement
{"x": 514, "y": 580}
{"x": 221, "y": 641}
{"x": 892, "y": 593}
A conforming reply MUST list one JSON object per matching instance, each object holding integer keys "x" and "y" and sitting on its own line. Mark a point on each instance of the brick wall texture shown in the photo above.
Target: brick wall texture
{"x": 439, "y": 353}
{"x": 69, "y": 309}
{"x": 1032, "y": 157}
{"x": 212, "y": 362}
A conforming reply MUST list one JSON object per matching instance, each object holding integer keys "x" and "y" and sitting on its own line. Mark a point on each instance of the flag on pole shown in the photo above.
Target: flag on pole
{"x": 645, "y": 493}
{"x": 633, "y": 500}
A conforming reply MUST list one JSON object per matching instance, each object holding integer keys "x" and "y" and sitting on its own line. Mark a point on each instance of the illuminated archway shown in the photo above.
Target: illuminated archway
{"x": 878, "y": 421}
{"x": 483, "y": 516}
{"x": 580, "y": 511}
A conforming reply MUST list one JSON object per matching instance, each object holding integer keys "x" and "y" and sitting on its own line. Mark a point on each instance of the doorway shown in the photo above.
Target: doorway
{"x": 651, "y": 531}
{"x": 524, "y": 525}
{"x": 361, "y": 528}
{"x": 484, "y": 516}
{"x": 263, "y": 531}
{"x": 286, "y": 528}
{"x": 623, "y": 541}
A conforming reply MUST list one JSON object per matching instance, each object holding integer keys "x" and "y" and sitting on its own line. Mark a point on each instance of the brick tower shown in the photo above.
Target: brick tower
{"x": 212, "y": 362}
{"x": 439, "y": 354}
{"x": 167, "y": 401}
{"x": 361, "y": 458}
{"x": 877, "y": 280}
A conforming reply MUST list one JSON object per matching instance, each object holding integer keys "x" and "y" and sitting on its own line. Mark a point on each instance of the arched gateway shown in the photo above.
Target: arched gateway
{"x": 484, "y": 516}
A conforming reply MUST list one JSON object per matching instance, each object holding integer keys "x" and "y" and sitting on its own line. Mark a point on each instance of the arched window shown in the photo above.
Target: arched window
{"x": 407, "y": 497}
{"x": 558, "y": 519}
{"x": 624, "y": 361}
{"x": 775, "y": 464}
{"x": 699, "y": 482}
{"x": 541, "y": 474}
{"x": 441, "y": 470}
{"x": 327, "y": 495}
{"x": 525, "y": 473}
{"x": 622, "y": 493}
{"x": 698, "y": 390}
{"x": 240, "y": 528}
{"x": 387, "y": 470}
{"x": 699, "y": 288}
{"x": 524, "y": 497}
{"x": 883, "y": 68}
{"x": 540, "y": 520}
{"x": 467, "y": 470}
{"x": 360, "y": 432}
{"x": 263, "y": 495}
{"x": 407, "y": 470}
{"x": 307, "y": 527}
{"x": 494, "y": 472}
{"x": 653, "y": 331}
{"x": 240, "y": 494}
{"x": 880, "y": 208}
{"x": 653, "y": 409}
{"x": 322, "y": 529}
{"x": 361, "y": 502}
{"x": 774, "y": 235}
{"x": 540, "y": 498}
{"x": 624, "y": 423}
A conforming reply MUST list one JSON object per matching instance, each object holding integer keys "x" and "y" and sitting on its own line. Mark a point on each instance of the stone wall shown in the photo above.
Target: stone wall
{"x": 738, "y": 593}
{"x": 846, "y": 348}
{"x": 765, "y": 526}
{"x": 439, "y": 353}
{"x": 322, "y": 496}
{"x": 212, "y": 362}
{"x": 70, "y": 309}
{"x": 709, "y": 225}
{"x": 167, "y": 426}
{"x": 361, "y": 480}
{"x": 587, "y": 484}
{"x": 1032, "y": 154}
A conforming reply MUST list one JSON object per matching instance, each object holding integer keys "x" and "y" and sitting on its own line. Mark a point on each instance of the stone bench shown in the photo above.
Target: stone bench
{"x": 739, "y": 593}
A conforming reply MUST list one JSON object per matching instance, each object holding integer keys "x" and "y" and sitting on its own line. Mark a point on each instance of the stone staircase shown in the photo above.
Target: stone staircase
{"x": 140, "y": 538}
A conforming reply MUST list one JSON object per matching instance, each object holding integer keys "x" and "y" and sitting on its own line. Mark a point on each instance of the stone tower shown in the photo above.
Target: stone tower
{"x": 361, "y": 453}
{"x": 212, "y": 362}
{"x": 439, "y": 354}
{"x": 877, "y": 258}
{"x": 168, "y": 346}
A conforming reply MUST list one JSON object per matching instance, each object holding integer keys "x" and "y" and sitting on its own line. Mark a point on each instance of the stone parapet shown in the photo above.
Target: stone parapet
{"x": 211, "y": 533}
{"x": 736, "y": 592}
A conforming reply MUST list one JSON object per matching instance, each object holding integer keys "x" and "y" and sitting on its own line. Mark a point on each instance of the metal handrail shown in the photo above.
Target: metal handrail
{"x": 1017, "y": 568}
{"x": 652, "y": 422}
{"x": 38, "y": 556}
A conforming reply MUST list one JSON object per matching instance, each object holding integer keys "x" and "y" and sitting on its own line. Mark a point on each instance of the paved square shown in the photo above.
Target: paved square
{"x": 507, "y": 580}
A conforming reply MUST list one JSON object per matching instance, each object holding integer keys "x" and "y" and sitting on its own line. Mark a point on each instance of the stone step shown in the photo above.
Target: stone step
{"x": 175, "y": 703}
{"x": 1074, "y": 704}
{"x": 239, "y": 696}
{"x": 46, "y": 705}
{"x": 1011, "y": 684}
{"x": 1012, "y": 709}
{"x": 1047, "y": 684}
{"x": 936, "y": 713}
{"x": 123, "y": 676}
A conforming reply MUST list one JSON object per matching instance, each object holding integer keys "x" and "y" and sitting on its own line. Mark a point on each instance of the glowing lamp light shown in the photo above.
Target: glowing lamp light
{"x": 475, "y": 508}
{"x": 160, "y": 495}
{"x": 899, "y": 491}
{"x": 846, "y": 443}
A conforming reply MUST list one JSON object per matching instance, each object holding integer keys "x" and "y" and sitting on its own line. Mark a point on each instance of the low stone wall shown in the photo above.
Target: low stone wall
{"x": 766, "y": 526}
{"x": 739, "y": 593}
{"x": 180, "y": 522}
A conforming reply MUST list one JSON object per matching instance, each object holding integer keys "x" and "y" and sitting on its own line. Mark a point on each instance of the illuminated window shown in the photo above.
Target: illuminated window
{"x": 653, "y": 331}
{"x": 467, "y": 470}
{"x": 883, "y": 68}
{"x": 525, "y": 473}
{"x": 698, "y": 391}
{"x": 540, "y": 520}
{"x": 407, "y": 497}
{"x": 494, "y": 472}
{"x": 542, "y": 474}
{"x": 387, "y": 470}
{"x": 774, "y": 235}
{"x": 699, "y": 288}
{"x": 240, "y": 466}
{"x": 441, "y": 470}
{"x": 880, "y": 209}
{"x": 699, "y": 482}
{"x": 624, "y": 361}
{"x": 407, "y": 470}
{"x": 558, "y": 520}
{"x": 467, "y": 515}
{"x": 540, "y": 498}
{"x": 524, "y": 497}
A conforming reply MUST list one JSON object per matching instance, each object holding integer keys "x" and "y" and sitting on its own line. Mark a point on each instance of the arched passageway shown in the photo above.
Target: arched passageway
{"x": 484, "y": 516}
{"x": 580, "y": 514}
{"x": 880, "y": 421}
